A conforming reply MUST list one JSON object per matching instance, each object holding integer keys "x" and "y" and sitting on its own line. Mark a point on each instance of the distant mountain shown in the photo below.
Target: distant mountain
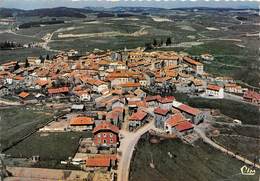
{"x": 50, "y": 12}
{"x": 6, "y": 12}
{"x": 125, "y": 9}
{"x": 211, "y": 9}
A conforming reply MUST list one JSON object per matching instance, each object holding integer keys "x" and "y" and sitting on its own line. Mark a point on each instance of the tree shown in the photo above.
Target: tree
{"x": 168, "y": 41}
{"x": 17, "y": 66}
{"x": 26, "y": 63}
{"x": 42, "y": 59}
{"x": 155, "y": 44}
{"x": 148, "y": 46}
{"x": 47, "y": 57}
{"x": 161, "y": 43}
{"x": 163, "y": 64}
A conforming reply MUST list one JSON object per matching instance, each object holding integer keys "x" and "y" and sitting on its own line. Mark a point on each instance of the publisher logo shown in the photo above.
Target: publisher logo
{"x": 247, "y": 171}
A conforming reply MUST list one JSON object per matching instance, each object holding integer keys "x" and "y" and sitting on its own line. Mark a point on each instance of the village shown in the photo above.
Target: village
{"x": 118, "y": 96}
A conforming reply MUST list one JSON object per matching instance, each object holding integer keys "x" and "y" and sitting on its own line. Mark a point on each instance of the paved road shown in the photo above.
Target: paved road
{"x": 126, "y": 148}
{"x": 9, "y": 103}
{"x": 212, "y": 143}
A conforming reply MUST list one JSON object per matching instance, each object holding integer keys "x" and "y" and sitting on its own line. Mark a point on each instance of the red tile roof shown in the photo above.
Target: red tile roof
{"x": 191, "y": 61}
{"x": 165, "y": 100}
{"x": 18, "y": 78}
{"x": 118, "y": 109}
{"x": 58, "y": 90}
{"x": 137, "y": 103}
{"x": 106, "y": 126}
{"x": 184, "y": 126}
{"x": 41, "y": 82}
{"x": 214, "y": 87}
{"x": 152, "y": 98}
{"x": 189, "y": 110}
{"x": 252, "y": 95}
{"x": 80, "y": 121}
{"x": 160, "y": 111}
{"x": 98, "y": 162}
{"x": 24, "y": 94}
{"x": 130, "y": 84}
{"x": 175, "y": 119}
{"x": 138, "y": 116}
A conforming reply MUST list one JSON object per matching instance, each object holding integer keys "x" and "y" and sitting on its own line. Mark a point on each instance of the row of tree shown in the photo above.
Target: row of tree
{"x": 6, "y": 45}
{"x": 27, "y": 64}
{"x": 155, "y": 43}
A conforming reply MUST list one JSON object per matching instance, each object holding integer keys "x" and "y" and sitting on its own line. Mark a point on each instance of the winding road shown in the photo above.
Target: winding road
{"x": 127, "y": 146}
{"x": 218, "y": 147}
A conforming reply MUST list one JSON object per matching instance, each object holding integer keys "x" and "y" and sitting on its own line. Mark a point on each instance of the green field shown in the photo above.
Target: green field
{"x": 198, "y": 163}
{"x": 17, "y": 122}
{"x": 51, "y": 147}
{"x": 247, "y": 113}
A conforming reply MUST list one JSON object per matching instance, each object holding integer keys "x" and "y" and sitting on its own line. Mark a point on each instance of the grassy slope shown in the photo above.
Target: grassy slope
{"x": 17, "y": 122}
{"x": 199, "y": 163}
{"x": 247, "y": 113}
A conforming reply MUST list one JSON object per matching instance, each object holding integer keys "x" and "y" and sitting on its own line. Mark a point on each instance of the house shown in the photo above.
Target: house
{"x": 137, "y": 119}
{"x": 61, "y": 90}
{"x": 120, "y": 77}
{"x": 161, "y": 81}
{"x": 106, "y": 134}
{"x": 81, "y": 123}
{"x": 252, "y": 96}
{"x": 169, "y": 60}
{"x": 79, "y": 107}
{"x": 165, "y": 102}
{"x": 195, "y": 115}
{"x": 197, "y": 85}
{"x": 171, "y": 123}
{"x": 98, "y": 163}
{"x": 83, "y": 95}
{"x": 23, "y": 95}
{"x": 161, "y": 116}
{"x": 150, "y": 78}
{"x": 140, "y": 93}
{"x": 207, "y": 56}
{"x": 195, "y": 65}
{"x": 121, "y": 113}
{"x": 233, "y": 88}
{"x": 113, "y": 117}
{"x": 215, "y": 91}
{"x": 184, "y": 128}
{"x": 152, "y": 100}
{"x": 95, "y": 84}
{"x": 129, "y": 86}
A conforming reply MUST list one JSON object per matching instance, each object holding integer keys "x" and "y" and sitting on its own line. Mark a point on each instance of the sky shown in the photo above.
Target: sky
{"x": 35, "y": 4}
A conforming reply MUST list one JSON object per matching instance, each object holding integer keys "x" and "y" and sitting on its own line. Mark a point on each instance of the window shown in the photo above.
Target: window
{"x": 111, "y": 141}
{"x": 99, "y": 135}
{"x": 99, "y": 141}
{"x": 104, "y": 135}
{"x": 111, "y": 135}
{"x": 105, "y": 141}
